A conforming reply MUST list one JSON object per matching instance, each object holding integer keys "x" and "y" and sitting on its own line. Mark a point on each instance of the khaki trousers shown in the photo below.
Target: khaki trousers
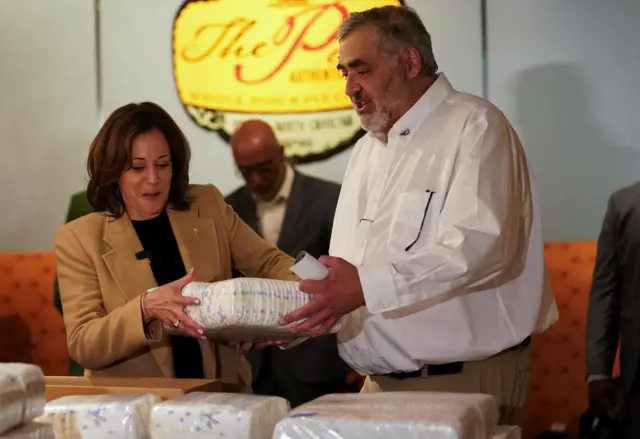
{"x": 505, "y": 376}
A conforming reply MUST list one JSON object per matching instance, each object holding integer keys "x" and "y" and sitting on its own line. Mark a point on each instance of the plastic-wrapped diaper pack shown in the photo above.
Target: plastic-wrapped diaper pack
{"x": 392, "y": 415}
{"x": 12, "y": 396}
{"x": 245, "y": 309}
{"x": 22, "y": 394}
{"x": 32, "y": 379}
{"x": 217, "y": 415}
{"x": 100, "y": 416}
{"x": 30, "y": 430}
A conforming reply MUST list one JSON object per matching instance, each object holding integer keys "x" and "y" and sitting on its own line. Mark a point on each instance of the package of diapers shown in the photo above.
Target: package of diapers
{"x": 30, "y": 430}
{"x": 31, "y": 378}
{"x": 100, "y": 416}
{"x": 392, "y": 415}
{"x": 507, "y": 432}
{"x": 12, "y": 402}
{"x": 217, "y": 415}
{"x": 245, "y": 309}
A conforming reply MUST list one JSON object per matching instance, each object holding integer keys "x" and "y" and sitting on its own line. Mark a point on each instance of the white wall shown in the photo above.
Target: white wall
{"x": 47, "y": 115}
{"x": 137, "y": 65}
{"x": 566, "y": 73}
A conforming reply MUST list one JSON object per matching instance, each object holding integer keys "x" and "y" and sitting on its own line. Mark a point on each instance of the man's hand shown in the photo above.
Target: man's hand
{"x": 333, "y": 297}
{"x": 602, "y": 398}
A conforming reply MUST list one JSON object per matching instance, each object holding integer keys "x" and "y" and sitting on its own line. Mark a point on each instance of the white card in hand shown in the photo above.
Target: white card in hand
{"x": 308, "y": 267}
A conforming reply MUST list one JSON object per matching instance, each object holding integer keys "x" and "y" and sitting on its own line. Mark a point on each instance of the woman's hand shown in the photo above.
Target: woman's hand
{"x": 167, "y": 305}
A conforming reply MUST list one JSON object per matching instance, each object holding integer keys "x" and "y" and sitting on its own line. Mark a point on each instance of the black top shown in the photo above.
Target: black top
{"x": 157, "y": 239}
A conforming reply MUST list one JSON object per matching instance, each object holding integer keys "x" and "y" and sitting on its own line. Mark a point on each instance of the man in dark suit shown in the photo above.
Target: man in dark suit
{"x": 79, "y": 206}
{"x": 614, "y": 313}
{"x": 293, "y": 212}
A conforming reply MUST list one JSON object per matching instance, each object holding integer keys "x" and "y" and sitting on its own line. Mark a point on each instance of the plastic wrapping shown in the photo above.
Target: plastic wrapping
{"x": 31, "y": 378}
{"x": 507, "y": 432}
{"x": 100, "y": 416}
{"x": 12, "y": 398}
{"x": 245, "y": 309}
{"x": 392, "y": 415}
{"x": 30, "y": 430}
{"x": 206, "y": 415}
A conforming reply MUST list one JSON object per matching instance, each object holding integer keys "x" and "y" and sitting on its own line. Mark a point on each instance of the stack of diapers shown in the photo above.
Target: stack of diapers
{"x": 217, "y": 415}
{"x": 245, "y": 309}
{"x": 196, "y": 415}
{"x": 100, "y": 416}
{"x": 393, "y": 415}
{"x": 22, "y": 400}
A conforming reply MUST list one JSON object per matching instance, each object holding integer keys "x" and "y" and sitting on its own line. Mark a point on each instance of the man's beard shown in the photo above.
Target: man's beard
{"x": 377, "y": 122}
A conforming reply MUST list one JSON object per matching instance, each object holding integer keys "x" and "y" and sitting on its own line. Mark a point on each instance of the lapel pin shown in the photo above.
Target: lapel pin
{"x": 405, "y": 132}
{"x": 196, "y": 232}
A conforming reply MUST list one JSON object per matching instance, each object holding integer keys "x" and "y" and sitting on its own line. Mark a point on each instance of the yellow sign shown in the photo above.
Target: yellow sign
{"x": 274, "y": 60}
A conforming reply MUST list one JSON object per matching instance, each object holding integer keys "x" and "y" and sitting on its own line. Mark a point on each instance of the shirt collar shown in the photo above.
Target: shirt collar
{"x": 410, "y": 121}
{"x": 285, "y": 190}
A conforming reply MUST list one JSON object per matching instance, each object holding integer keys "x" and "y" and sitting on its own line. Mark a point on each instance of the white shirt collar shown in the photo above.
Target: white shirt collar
{"x": 410, "y": 121}
{"x": 287, "y": 184}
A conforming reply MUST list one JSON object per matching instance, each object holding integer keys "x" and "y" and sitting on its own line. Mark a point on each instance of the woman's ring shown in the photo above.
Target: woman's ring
{"x": 177, "y": 323}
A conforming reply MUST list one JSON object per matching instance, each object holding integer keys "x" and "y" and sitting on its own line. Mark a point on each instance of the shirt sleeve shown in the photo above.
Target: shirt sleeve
{"x": 482, "y": 228}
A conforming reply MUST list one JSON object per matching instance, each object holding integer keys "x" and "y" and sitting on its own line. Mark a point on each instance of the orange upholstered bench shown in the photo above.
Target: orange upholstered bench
{"x": 31, "y": 329}
{"x": 558, "y": 387}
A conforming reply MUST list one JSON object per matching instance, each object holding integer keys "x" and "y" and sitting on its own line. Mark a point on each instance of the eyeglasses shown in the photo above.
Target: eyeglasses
{"x": 424, "y": 216}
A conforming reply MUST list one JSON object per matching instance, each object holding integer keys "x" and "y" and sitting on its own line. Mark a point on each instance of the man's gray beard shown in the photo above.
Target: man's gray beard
{"x": 376, "y": 122}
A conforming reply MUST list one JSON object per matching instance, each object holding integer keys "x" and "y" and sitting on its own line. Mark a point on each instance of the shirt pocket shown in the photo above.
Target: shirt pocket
{"x": 409, "y": 219}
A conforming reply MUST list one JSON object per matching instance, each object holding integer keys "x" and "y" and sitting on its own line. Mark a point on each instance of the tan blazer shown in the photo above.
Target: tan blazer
{"x": 101, "y": 282}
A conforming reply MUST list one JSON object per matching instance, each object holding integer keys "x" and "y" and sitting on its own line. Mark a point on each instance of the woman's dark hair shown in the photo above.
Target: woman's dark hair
{"x": 110, "y": 156}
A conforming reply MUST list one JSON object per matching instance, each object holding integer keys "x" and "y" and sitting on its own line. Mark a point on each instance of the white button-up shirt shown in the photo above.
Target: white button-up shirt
{"x": 443, "y": 223}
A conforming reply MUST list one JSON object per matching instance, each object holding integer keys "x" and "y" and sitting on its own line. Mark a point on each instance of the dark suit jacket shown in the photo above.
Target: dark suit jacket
{"x": 614, "y": 301}
{"x": 307, "y": 226}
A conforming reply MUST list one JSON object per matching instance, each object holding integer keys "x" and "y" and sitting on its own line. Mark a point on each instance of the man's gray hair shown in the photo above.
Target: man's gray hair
{"x": 397, "y": 27}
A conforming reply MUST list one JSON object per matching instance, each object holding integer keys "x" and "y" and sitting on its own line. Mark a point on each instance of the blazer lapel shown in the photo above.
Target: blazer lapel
{"x": 132, "y": 275}
{"x": 293, "y": 214}
{"x": 198, "y": 241}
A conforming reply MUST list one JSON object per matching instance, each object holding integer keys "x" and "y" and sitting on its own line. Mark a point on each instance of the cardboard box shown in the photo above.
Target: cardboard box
{"x": 165, "y": 388}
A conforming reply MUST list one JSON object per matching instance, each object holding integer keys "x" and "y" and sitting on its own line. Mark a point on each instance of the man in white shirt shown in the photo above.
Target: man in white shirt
{"x": 437, "y": 248}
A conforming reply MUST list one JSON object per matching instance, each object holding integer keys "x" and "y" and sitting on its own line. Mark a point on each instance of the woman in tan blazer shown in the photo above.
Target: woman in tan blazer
{"x": 151, "y": 229}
